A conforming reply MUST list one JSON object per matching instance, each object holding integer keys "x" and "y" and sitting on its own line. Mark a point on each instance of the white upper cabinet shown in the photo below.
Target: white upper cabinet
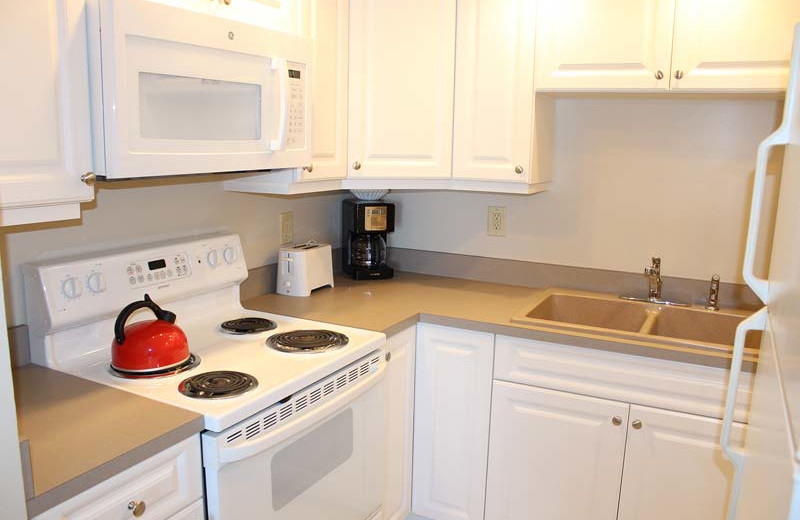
{"x": 402, "y": 59}
{"x": 328, "y": 30}
{"x": 604, "y": 45}
{"x": 742, "y": 45}
{"x": 554, "y": 455}
{"x": 493, "y": 123}
{"x": 45, "y": 144}
{"x": 674, "y": 467}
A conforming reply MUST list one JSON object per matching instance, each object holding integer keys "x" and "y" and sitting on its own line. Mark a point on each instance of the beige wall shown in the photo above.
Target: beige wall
{"x": 137, "y": 211}
{"x": 634, "y": 177}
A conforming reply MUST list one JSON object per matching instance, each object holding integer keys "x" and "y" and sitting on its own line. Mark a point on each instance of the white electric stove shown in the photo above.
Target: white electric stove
{"x": 275, "y": 392}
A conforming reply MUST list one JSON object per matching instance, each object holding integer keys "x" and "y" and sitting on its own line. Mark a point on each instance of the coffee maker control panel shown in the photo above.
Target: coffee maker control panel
{"x": 375, "y": 218}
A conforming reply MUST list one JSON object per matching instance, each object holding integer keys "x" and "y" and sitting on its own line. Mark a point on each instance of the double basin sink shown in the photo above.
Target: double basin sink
{"x": 607, "y": 315}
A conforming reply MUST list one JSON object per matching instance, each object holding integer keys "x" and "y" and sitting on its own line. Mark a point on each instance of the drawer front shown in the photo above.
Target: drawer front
{"x": 659, "y": 383}
{"x": 196, "y": 511}
{"x": 166, "y": 483}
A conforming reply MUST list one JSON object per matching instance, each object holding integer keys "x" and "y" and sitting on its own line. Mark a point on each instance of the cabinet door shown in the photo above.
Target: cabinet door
{"x": 45, "y": 141}
{"x": 451, "y": 422}
{"x": 402, "y": 59}
{"x": 674, "y": 467}
{"x": 742, "y": 45}
{"x": 554, "y": 455}
{"x": 399, "y": 423}
{"x": 493, "y": 130}
{"x": 608, "y": 45}
{"x": 328, "y": 29}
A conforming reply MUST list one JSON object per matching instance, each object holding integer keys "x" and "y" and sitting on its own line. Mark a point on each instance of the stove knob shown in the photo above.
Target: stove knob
{"x": 212, "y": 258}
{"x": 96, "y": 282}
{"x": 71, "y": 288}
{"x": 230, "y": 255}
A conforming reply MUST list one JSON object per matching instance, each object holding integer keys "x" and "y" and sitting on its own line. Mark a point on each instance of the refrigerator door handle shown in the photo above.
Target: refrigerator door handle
{"x": 756, "y": 321}
{"x": 781, "y": 136}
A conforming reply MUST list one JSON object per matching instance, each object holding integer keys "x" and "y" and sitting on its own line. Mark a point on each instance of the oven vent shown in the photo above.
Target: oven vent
{"x": 304, "y": 400}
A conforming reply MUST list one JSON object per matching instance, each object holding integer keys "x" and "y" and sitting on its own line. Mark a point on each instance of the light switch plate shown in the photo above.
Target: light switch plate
{"x": 496, "y": 226}
{"x": 287, "y": 227}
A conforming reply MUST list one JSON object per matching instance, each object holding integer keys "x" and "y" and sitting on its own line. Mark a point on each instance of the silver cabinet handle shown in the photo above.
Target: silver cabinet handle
{"x": 89, "y": 178}
{"x": 637, "y": 424}
{"x": 659, "y": 74}
{"x": 519, "y": 169}
{"x": 356, "y": 165}
{"x": 137, "y": 508}
{"x": 616, "y": 420}
{"x": 679, "y": 74}
{"x": 309, "y": 168}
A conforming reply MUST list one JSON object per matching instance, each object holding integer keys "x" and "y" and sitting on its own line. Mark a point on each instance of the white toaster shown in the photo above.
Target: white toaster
{"x": 303, "y": 268}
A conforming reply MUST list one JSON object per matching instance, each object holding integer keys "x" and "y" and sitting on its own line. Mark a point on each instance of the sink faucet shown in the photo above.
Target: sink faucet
{"x": 712, "y": 304}
{"x": 653, "y": 273}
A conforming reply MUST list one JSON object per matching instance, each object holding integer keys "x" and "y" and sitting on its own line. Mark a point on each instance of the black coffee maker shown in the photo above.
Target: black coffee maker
{"x": 364, "y": 228}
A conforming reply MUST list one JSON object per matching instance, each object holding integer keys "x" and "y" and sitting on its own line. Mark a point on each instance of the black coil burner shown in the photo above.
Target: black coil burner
{"x": 307, "y": 341}
{"x": 248, "y": 325}
{"x": 189, "y": 364}
{"x": 217, "y": 385}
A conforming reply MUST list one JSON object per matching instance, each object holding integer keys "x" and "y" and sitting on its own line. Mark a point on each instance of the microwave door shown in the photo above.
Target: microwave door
{"x": 195, "y": 93}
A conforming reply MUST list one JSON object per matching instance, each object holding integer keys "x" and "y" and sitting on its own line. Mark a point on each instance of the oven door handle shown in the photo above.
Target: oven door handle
{"x": 216, "y": 455}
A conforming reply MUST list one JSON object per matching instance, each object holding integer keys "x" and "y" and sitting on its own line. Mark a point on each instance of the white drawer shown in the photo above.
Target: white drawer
{"x": 196, "y": 511}
{"x": 166, "y": 482}
{"x": 671, "y": 385}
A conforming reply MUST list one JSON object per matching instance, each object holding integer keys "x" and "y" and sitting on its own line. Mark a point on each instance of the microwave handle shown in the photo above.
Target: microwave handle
{"x": 282, "y": 66}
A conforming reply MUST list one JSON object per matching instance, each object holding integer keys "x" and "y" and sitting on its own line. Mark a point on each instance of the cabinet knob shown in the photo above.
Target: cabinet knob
{"x": 309, "y": 168}
{"x": 88, "y": 178}
{"x": 679, "y": 74}
{"x": 637, "y": 424}
{"x": 388, "y": 356}
{"x": 356, "y": 165}
{"x": 616, "y": 420}
{"x": 137, "y": 508}
{"x": 659, "y": 74}
{"x": 519, "y": 169}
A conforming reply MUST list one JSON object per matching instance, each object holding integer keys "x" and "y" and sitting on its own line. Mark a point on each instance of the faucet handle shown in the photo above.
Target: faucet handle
{"x": 656, "y": 260}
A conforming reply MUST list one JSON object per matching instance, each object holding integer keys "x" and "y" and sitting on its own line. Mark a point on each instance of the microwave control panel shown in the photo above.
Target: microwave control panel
{"x": 298, "y": 79}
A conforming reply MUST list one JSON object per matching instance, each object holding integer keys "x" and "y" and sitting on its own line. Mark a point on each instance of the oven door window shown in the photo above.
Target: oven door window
{"x": 310, "y": 458}
{"x": 186, "y": 108}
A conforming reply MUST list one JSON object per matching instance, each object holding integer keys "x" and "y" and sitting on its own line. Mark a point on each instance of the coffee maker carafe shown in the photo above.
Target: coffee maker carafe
{"x": 365, "y": 225}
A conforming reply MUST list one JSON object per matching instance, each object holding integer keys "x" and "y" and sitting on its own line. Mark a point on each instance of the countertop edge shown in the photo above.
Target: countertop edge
{"x": 77, "y": 485}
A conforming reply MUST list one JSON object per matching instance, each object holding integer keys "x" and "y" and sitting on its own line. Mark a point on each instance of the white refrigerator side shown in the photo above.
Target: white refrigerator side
{"x": 767, "y": 485}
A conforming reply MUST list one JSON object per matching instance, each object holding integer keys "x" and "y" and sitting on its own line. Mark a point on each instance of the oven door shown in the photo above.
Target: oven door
{"x": 195, "y": 93}
{"x": 327, "y": 463}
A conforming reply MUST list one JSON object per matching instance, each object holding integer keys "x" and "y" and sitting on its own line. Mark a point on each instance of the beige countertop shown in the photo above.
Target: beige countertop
{"x": 391, "y": 305}
{"x": 81, "y": 433}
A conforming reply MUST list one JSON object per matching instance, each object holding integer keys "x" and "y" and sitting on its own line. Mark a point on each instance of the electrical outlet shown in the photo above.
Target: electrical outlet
{"x": 287, "y": 227}
{"x": 497, "y": 221}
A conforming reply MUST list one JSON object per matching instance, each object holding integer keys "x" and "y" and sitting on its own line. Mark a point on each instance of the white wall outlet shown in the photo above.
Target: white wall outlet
{"x": 287, "y": 227}
{"x": 497, "y": 221}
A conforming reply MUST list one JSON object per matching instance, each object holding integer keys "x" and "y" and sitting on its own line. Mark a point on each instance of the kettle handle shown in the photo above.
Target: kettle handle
{"x": 119, "y": 325}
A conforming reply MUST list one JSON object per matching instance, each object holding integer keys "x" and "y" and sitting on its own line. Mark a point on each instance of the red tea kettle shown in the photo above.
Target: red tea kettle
{"x": 147, "y": 346}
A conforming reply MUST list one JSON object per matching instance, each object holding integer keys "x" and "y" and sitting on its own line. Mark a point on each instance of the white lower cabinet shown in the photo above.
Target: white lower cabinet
{"x": 451, "y": 422}
{"x": 168, "y": 485}
{"x": 674, "y": 467}
{"x": 399, "y": 423}
{"x": 554, "y": 455}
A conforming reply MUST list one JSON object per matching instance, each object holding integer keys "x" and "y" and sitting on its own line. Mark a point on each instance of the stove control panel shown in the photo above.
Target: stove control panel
{"x": 142, "y": 273}
{"x": 81, "y": 289}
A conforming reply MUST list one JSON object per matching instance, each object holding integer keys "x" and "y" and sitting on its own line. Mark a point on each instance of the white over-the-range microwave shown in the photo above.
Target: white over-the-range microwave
{"x": 179, "y": 88}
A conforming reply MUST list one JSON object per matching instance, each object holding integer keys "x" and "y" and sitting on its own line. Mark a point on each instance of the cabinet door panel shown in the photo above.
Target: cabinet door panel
{"x": 329, "y": 30}
{"x": 493, "y": 128}
{"x": 451, "y": 422}
{"x": 399, "y": 423}
{"x": 553, "y": 455}
{"x": 609, "y": 45}
{"x": 402, "y": 58}
{"x": 743, "y": 45}
{"x": 674, "y": 467}
{"x": 45, "y": 144}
